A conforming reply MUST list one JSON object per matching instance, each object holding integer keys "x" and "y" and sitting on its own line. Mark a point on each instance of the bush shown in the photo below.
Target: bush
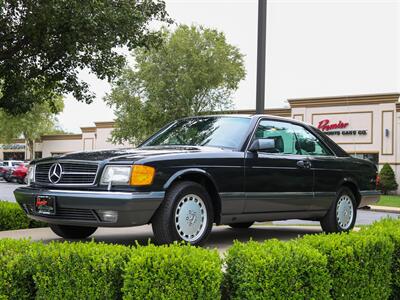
{"x": 359, "y": 265}
{"x": 173, "y": 272}
{"x": 276, "y": 270}
{"x": 80, "y": 271}
{"x": 390, "y": 228}
{"x": 17, "y": 269}
{"x": 12, "y": 217}
{"x": 387, "y": 179}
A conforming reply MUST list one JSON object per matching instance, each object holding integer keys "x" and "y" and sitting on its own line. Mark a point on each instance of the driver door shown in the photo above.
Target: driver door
{"x": 278, "y": 179}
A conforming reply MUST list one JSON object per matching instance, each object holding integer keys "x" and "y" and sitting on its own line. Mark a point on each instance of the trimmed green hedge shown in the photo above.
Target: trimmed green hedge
{"x": 391, "y": 229}
{"x": 80, "y": 271}
{"x": 363, "y": 265}
{"x": 276, "y": 270}
{"x": 12, "y": 217}
{"x": 96, "y": 271}
{"x": 17, "y": 269}
{"x": 359, "y": 265}
{"x": 173, "y": 272}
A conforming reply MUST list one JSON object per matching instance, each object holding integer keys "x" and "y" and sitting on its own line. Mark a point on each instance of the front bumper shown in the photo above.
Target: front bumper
{"x": 369, "y": 197}
{"x": 79, "y": 208}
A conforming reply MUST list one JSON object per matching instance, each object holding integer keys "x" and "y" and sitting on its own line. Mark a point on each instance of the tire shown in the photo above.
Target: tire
{"x": 342, "y": 214}
{"x": 20, "y": 180}
{"x": 241, "y": 225}
{"x": 174, "y": 220}
{"x": 72, "y": 232}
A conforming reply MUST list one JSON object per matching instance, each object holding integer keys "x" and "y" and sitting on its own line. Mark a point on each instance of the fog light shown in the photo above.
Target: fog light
{"x": 108, "y": 215}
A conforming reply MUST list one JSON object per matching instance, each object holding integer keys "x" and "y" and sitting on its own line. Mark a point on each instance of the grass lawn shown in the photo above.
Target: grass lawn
{"x": 389, "y": 200}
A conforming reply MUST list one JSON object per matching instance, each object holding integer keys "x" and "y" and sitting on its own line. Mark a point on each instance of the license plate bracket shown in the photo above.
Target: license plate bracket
{"x": 45, "y": 205}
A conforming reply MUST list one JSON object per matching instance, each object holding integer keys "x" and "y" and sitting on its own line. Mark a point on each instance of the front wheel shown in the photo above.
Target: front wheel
{"x": 186, "y": 214}
{"x": 342, "y": 214}
{"x": 72, "y": 232}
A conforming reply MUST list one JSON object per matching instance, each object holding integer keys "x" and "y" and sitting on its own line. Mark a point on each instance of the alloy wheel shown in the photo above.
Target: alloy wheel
{"x": 191, "y": 217}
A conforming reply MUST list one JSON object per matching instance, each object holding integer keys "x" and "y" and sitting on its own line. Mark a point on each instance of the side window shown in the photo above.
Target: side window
{"x": 308, "y": 144}
{"x": 282, "y": 133}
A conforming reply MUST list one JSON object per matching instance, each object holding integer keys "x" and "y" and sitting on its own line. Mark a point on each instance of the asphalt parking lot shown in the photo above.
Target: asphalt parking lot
{"x": 7, "y": 189}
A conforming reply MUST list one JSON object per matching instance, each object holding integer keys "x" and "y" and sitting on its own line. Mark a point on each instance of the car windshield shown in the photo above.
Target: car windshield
{"x": 224, "y": 132}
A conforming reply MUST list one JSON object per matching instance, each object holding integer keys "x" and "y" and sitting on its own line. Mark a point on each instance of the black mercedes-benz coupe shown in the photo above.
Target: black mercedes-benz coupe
{"x": 195, "y": 172}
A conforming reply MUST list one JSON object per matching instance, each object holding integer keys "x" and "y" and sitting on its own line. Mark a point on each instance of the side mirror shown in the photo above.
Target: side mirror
{"x": 262, "y": 145}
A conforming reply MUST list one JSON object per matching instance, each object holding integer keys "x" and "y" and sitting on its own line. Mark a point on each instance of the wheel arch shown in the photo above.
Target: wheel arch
{"x": 353, "y": 186}
{"x": 205, "y": 179}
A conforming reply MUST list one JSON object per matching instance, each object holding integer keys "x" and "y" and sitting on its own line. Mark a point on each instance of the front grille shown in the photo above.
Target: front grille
{"x": 67, "y": 213}
{"x": 72, "y": 173}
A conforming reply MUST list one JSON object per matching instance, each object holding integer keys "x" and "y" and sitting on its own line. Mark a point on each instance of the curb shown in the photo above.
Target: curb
{"x": 388, "y": 209}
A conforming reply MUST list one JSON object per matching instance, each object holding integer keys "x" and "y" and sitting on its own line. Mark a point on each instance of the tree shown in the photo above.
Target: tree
{"x": 32, "y": 125}
{"x": 44, "y": 44}
{"x": 387, "y": 179}
{"x": 194, "y": 71}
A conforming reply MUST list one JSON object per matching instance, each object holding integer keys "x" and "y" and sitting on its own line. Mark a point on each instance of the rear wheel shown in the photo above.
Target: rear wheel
{"x": 342, "y": 214}
{"x": 186, "y": 214}
{"x": 72, "y": 232}
{"x": 241, "y": 225}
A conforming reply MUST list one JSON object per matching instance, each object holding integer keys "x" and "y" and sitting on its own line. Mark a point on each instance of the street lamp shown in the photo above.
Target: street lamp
{"x": 261, "y": 53}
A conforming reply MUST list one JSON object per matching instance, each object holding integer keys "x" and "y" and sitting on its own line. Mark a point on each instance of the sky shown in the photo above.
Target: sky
{"x": 314, "y": 48}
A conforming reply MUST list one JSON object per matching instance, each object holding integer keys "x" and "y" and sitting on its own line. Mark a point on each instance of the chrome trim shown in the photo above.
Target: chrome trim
{"x": 75, "y": 161}
{"x": 91, "y": 192}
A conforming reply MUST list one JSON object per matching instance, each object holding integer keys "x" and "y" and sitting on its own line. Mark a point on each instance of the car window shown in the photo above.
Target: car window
{"x": 227, "y": 132}
{"x": 282, "y": 133}
{"x": 308, "y": 143}
{"x": 16, "y": 163}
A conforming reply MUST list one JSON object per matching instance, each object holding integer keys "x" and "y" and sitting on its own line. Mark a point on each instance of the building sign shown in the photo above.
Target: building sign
{"x": 338, "y": 128}
{"x": 13, "y": 147}
{"x": 346, "y": 128}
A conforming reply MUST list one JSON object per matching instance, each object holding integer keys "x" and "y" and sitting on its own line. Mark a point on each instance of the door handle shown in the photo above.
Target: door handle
{"x": 304, "y": 164}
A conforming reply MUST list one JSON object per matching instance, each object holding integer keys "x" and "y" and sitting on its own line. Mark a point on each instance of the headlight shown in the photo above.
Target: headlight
{"x": 30, "y": 176}
{"x": 116, "y": 175}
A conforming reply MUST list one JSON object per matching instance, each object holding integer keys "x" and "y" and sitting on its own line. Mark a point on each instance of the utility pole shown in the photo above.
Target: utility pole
{"x": 261, "y": 56}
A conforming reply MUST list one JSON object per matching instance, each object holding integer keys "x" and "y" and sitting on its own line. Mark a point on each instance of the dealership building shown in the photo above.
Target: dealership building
{"x": 366, "y": 126}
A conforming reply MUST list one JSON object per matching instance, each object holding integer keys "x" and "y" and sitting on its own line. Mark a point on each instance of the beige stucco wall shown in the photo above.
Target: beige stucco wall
{"x": 60, "y": 146}
{"x": 102, "y": 140}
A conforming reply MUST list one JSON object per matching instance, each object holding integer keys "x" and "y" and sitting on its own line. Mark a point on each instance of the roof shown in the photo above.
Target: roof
{"x": 345, "y": 100}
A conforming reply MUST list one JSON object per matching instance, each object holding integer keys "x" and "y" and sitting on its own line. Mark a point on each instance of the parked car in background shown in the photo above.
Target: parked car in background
{"x": 17, "y": 173}
{"x": 196, "y": 172}
{"x": 7, "y": 165}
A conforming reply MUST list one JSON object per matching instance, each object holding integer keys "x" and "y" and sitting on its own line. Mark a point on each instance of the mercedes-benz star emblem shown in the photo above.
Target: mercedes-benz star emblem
{"x": 55, "y": 173}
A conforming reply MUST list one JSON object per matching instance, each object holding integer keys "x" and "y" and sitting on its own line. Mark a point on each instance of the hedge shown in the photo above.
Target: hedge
{"x": 17, "y": 269}
{"x": 363, "y": 265}
{"x": 80, "y": 271}
{"x": 173, "y": 272}
{"x": 12, "y": 217}
{"x": 359, "y": 265}
{"x": 96, "y": 271}
{"x": 276, "y": 270}
{"x": 391, "y": 229}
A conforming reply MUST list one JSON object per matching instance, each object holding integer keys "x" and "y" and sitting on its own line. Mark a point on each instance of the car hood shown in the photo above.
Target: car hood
{"x": 130, "y": 154}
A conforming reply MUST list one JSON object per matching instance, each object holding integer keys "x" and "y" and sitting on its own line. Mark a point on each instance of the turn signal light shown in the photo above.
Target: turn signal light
{"x": 142, "y": 175}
